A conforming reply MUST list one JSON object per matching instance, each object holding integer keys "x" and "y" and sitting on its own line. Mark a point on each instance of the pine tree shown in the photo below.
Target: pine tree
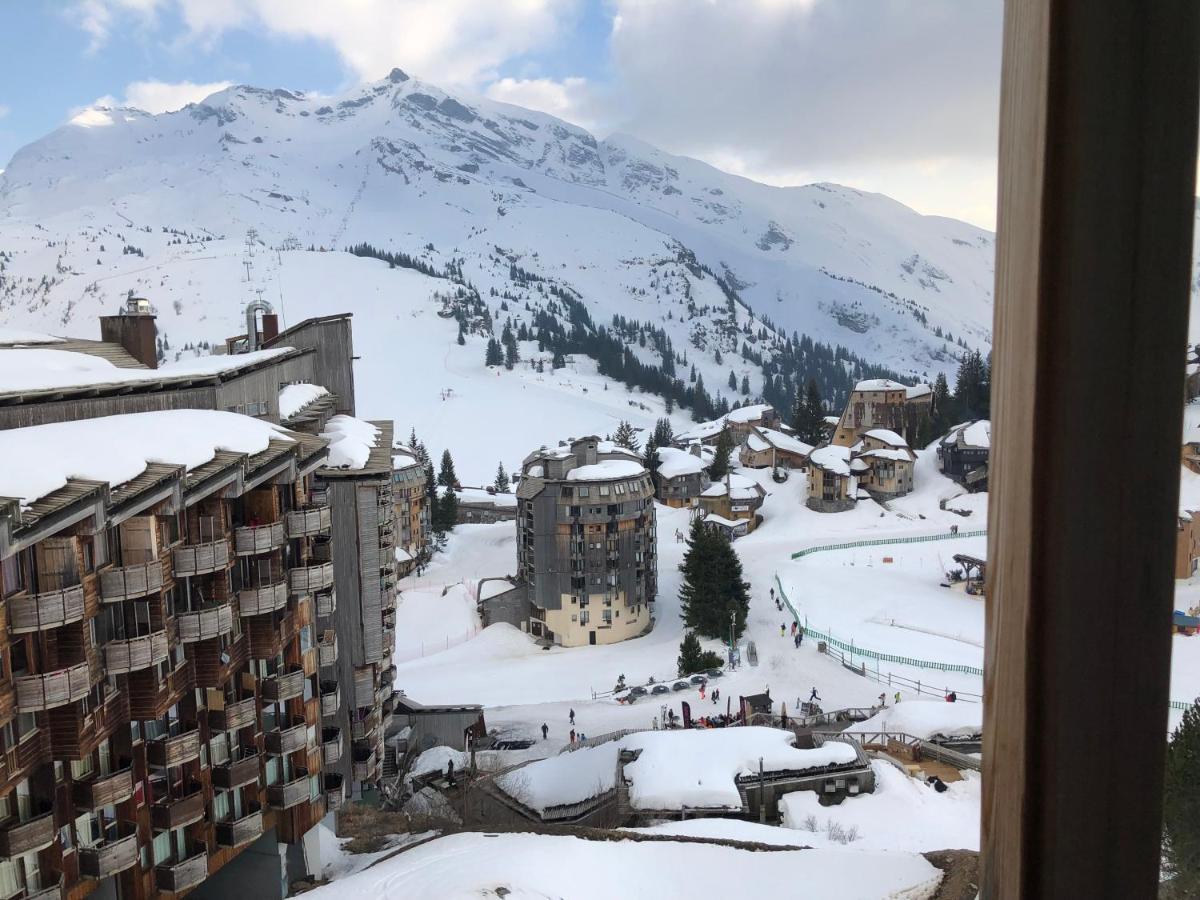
{"x": 690, "y": 652}
{"x": 446, "y": 476}
{"x": 971, "y": 388}
{"x": 494, "y": 355}
{"x": 626, "y": 437}
{"x": 670, "y": 405}
{"x": 732, "y": 381}
{"x": 501, "y": 483}
{"x": 650, "y": 459}
{"x": 745, "y": 386}
{"x": 1181, "y": 806}
{"x": 559, "y": 361}
{"x": 448, "y": 510}
{"x": 664, "y": 435}
{"x": 712, "y": 584}
{"x": 721, "y": 453}
{"x": 808, "y": 414}
{"x": 942, "y": 415}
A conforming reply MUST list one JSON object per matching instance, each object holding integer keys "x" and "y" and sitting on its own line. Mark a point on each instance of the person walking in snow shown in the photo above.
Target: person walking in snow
{"x": 794, "y": 626}
{"x": 814, "y": 697}
{"x": 796, "y": 641}
{"x": 702, "y": 690}
{"x": 546, "y": 730}
{"x": 571, "y": 716}
{"x": 782, "y": 629}
{"x": 572, "y": 735}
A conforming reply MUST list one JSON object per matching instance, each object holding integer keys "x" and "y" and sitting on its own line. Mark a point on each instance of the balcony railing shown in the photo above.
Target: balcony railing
{"x": 331, "y": 745}
{"x": 251, "y": 540}
{"x": 18, "y": 838}
{"x": 132, "y": 654}
{"x": 335, "y": 790}
{"x": 331, "y": 699}
{"x": 175, "y": 812}
{"x": 103, "y": 790}
{"x": 149, "y": 698}
{"x": 176, "y": 877}
{"x": 327, "y": 649}
{"x": 290, "y": 793}
{"x": 326, "y": 602}
{"x": 309, "y": 521}
{"x": 320, "y": 496}
{"x": 364, "y": 764}
{"x": 286, "y": 739}
{"x": 202, "y": 624}
{"x": 201, "y": 559}
{"x": 128, "y": 582}
{"x": 49, "y": 609}
{"x": 361, "y": 729}
{"x": 256, "y": 601}
{"x": 39, "y": 692}
{"x": 235, "y": 715}
{"x": 364, "y": 686}
{"x": 51, "y": 887}
{"x": 322, "y": 551}
{"x": 276, "y": 688}
{"x": 306, "y": 579}
{"x": 237, "y": 772}
{"x": 174, "y": 751}
{"x": 236, "y": 832}
{"x": 110, "y": 856}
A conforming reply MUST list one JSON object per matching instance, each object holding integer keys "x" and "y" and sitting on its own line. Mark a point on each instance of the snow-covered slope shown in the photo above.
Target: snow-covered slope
{"x": 120, "y": 199}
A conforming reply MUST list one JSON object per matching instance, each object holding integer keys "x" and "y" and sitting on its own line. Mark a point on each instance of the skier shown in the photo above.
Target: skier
{"x": 883, "y": 700}
{"x": 897, "y": 696}
{"x": 782, "y": 629}
{"x": 546, "y": 729}
{"x": 571, "y": 715}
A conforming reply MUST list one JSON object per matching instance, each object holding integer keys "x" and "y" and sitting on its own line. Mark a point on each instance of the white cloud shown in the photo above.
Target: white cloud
{"x": 571, "y": 99}
{"x": 96, "y": 17}
{"x": 4, "y": 110}
{"x": 163, "y": 96}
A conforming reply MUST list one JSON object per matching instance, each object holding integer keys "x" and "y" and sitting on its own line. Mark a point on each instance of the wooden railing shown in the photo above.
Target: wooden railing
{"x": 174, "y": 751}
{"x": 286, "y": 739}
{"x": 236, "y": 773}
{"x": 235, "y": 715}
{"x": 236, "y": 832}
{"x": 267, "y": 598}
{"x": 177, "y": 877}
{"x": 131, "y": 654}
{"x": 335, "y": 790}
{"x": 40, "y": 692}
{"x": 327, "y": 649}
{"x": 110, "y": 856}
{"x": 251, "y": 540}
{"x": 202, "y": 624}
{"x": 49, "y": 609}
{"x": 276, "y": 688}
{"x": 309, "y": 521}
{"x": 291, "y": 793}
{"x": 128, "y": 582}
{"x": 326, "y": 602}
{"x": 331, "y": 745}
{"x": 149, "y": 696}
{"x": 18, "y": 838}
{"x": 331, "y": 698}
{"x": 175, "y": 812}
{"x": 201, "y": 559}
{"x": 306, "y": 579}
{"x": 103, "y": 790}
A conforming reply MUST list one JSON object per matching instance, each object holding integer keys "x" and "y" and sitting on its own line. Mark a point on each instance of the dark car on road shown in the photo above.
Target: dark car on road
{"x": 698, "y": 679}
{"x": 660, "y": 689}
{"x": 681, "y": 685}
{"x": 714, "y": 673}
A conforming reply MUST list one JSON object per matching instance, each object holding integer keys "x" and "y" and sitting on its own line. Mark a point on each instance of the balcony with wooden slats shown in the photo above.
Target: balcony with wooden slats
{"x": 327, "y": 648}
{"x": 287, "y": 794}
{"x": 326, "y": 602}
{"x": 174, "y": 751}
{"x": 214, "y": 665}
{"x": 150, "y": 698}
{"x": 40, "y": 692}
{"x": 201, "y": 559}
{"x": 18, "y": 762}
{"x": 133, "y": 581}
{"x": 176, "y": 877}
{"x": 335, "y": 790}
{"x": 266, "y": 598}
{"x": 18, "y": 838}
{"x": 50, "y": 609}
{"x": 322, "y": 550}
{"x": 175, "y": 812}
{"x": 362, "y": 728}
{"x": 103, "y": 790}
{"x": 122, "y": 656}
{"x": 307, "y": 579}
{"x": 364, "y": 686}
{"x": 236, "y": 714}
{"x": 75, "y": 731}
{"x": 254, "y": 540}
{"x": 239, "y": 832}
{"x": 291, "y": 735}
{"x": 363, "y": 762}
{"x": 309, "y": 521}
{"x": 331, "y": 745}
{"x": 110, "y": 856}
{"x": 203, "y": 624}
{"x": 331, "y": 699}
{"x": 276, "y": 688}
{"x": 237, "y": 772}
{"x": 50, "y": 887}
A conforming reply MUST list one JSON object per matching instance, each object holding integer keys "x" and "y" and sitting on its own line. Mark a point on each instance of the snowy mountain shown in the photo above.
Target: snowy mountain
{"x": 407, "y": 167}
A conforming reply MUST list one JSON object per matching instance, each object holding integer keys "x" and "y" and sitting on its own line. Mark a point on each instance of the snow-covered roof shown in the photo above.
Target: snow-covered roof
{"x": 926, "y": 719}
{"x": 606, "y": 469}
{"x": 894, "y": 455}
{"x": 114, "y": 449}
{"x": 563, "y": 779}
{"x": 761, "y": 439}
{"x": 672, "y": 463}
{"x": 700, "y": 431}
{"x": 721, "y": 520}
{"x": 753, "y": 413}
{"x": 832, "y": 420}
{"x": 832, "y": 458}
{"x": 478, "y": 495}
{"x": 494, "y": 586}
{"x": 294, "y": 397}
{"x": 918, "y": 390}
{"x": 11, "y": 336}
{"x": 739, "y": 488}
{"x": 888, "y": 436}
{"x": 880, "y": 384}
{"x": 350, "y": 442}
{"x": 403, "y": 555}
{"x": 970, "y": 434}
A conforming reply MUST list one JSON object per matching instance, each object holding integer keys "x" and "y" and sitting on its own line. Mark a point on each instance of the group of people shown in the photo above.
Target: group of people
{"x": 573, "y": 736}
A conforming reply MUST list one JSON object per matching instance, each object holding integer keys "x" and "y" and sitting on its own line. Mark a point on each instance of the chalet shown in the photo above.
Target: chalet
{"x": 681, "y": 476}
{"x": 734, "y": 497}
{"x": 483, "y": 506}
{"x": 963, "y": 454}
{"x": 767, "y": 448}
{"x": 705, "y": 433}
{"x": 883, "y": 462}
{"x": 883, "y": 403}
{"x": 746, "y": 418}
{"x": 832, "y": 486}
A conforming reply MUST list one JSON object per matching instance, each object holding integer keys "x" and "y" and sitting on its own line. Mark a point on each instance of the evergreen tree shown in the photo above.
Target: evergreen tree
{"x": 942, "y": 416}
{"x": 712, "y": 585}
{"x": 732, "y": 381}
{"x": 745, "y": 385}
{"x": 670, "y": 404}
{"x": 626, "y": 437}
{"x": 501, "y": 483}
{"x": 494, "y": 355}
{"x": 650, "y": 459}
{"x": 559, "y": 361}
{"x": 664, "y": 435}
{"x": 971, "y": 387}
{"x": 693, "y": 658}
{"x": 446, "y": 476}
{"x": 808, "y": 414}
{"x": 721, "y": 453}
{"x": 511, "y": 356}
{"x": 448, "y": 510}
{"x": 1181, "y": 806}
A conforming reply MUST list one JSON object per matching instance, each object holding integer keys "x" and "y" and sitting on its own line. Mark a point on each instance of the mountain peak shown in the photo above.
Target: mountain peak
{"x": 396, "y": 76}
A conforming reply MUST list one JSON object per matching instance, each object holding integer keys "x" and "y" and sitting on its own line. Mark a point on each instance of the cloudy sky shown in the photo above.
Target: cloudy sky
{"x": 897, "y": 96}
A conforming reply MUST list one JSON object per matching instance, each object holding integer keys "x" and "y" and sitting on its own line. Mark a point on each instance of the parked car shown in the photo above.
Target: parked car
{"x": 714, "y": 673}
{"x": 698, "y": 679}
{"x": 635, "y": 692}
{"x": 660, "y": 689}
{"x": 682, "y": 685}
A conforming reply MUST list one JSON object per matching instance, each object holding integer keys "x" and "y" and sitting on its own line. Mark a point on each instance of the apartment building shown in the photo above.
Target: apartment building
{"x": 411, "y": 497}
{"x": 883, "y": 403}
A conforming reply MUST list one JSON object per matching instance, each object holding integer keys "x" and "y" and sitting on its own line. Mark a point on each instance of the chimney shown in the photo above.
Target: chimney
{"x": 270, "y": 327}
{"x": 133, "y": 329}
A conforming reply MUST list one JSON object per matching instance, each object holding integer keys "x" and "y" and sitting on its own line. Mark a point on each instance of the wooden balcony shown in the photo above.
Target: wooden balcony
{"x": 202, "y": 624}
{"x": 335, "y": 790}
{"x": 309, "y": 521}
{"x": 201, "y": 559}
{"x": 257, "y": 601}
{"x": 327, "y": 649}
{"x": 174, "y": 751}
{"x": 109, "y": 857}
{"x": 277, "y": 688}
{"x": 319, "y": 496}
{"x": 235, "y": 715}
{"x": 51, "y": 888}
{"x": 364, "y": 686}
{"x": 252, "y": 540}
{"x": 150, "y": 697}
{"x": 129, "y": 582}
{"x": 306, "y": 579}
{"x": 18, "y": 838}
{"x": 322, "y": 550}
{"x": 175, "y": 812}
{"x": 331, "y": 699}
{"x": 39, "y": 692}
{"x": 49, "y": 609}
{"x": 326, "y": 602}
{"x": 19, "y": 761}
{"x": 364, "y": 764}
{"x": 133, "y": 654}
{"x": 174, "y": 878}
{"x": 286, "y": 739}
{"x": 214, "y": 666}
{"x": 237, "y": 772}
{"x": 331, "y": 745}
{"x": 237, "y": 832}
{"x": 103, "y": 790}
{"x": 361, "y": 729}
{"x": 291, "y": 793}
